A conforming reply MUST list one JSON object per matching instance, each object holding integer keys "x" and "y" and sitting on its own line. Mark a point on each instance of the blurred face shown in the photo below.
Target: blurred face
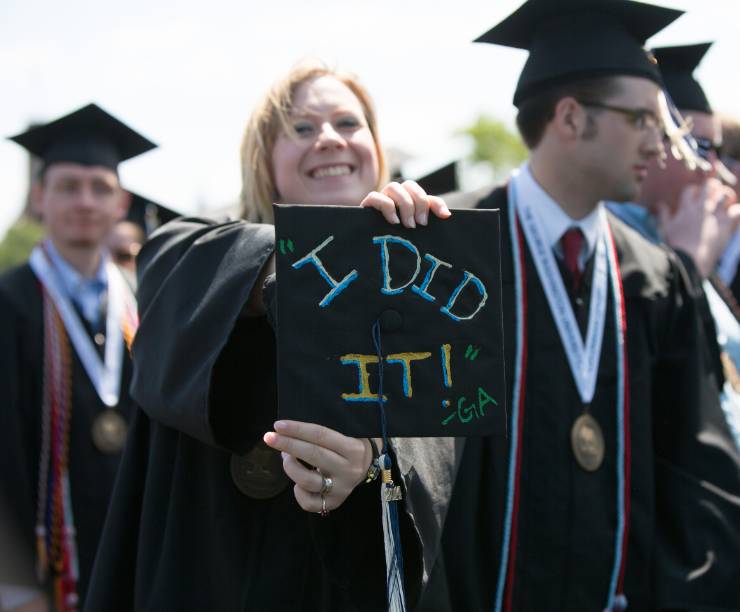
{"x": 666, "y": 184}
{"x": 330, "y": 158}
{"x": 124, "y": 242}
{"x": 79, "y": 204}
{"x": 622, "y": 143}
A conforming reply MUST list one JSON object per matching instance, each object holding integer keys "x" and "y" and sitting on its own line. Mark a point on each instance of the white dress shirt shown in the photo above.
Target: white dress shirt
{"x": 553, "y": 219}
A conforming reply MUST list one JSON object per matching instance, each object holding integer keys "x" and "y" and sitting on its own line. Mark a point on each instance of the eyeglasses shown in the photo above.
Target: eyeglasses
{"x": 704, "y": 146}
{"x": 122, "y": 257}
{"x": 641, "y": 118}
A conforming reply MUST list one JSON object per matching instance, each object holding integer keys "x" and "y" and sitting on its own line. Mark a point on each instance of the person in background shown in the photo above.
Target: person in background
{"x": 124, "y": 243}
{"x": 67, "y": 315}
{"x": 731, "y": 144}
{"x": 728, "y": 268}
{"x": 691, "y": 208}
{"x": 129, "y": 235}
{"x": 695, "y": 212}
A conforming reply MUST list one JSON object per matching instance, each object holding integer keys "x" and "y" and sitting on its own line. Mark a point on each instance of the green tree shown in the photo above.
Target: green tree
{"x": 19, "y": 241}
{"x": 495, "y": 144}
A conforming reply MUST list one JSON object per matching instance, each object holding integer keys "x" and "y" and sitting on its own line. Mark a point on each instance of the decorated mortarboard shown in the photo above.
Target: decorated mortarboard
{"x": 147, "y": 214}
{"x": 88, "y": 136}
{"x": 439, "y": 181}
{"x": 373, "y": 314}
{"x": 677, "y": 65}
{"x": 570, "y": 40}
{"x": 388, "y": 331}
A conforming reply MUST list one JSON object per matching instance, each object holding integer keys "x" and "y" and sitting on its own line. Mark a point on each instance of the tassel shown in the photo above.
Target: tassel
{"x": 390, "y": 495}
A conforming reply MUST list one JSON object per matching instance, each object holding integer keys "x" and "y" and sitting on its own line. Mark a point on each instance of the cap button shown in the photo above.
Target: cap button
{"x": 390, "y": 320}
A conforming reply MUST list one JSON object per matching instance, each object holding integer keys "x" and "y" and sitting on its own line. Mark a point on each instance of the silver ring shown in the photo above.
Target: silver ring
{"x": 323, "y": 512}
{"x": 327, "y": 486}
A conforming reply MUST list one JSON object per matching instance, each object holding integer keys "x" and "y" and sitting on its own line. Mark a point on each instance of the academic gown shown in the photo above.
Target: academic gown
{"x": 180, "y": 534}
{"x": 684, "y": 528}
{"x": 91, "y": 472}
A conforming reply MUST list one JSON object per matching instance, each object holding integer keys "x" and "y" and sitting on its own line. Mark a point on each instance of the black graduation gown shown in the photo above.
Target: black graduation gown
{"x": 180, "y": 535}
{"x": 684, "y": 533}
{"x": 91, "y": 473}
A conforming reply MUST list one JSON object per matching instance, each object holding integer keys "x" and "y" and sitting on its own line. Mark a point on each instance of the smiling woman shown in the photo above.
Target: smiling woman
{"x": 315, "y": 124}
{"x": 203, "y": 517}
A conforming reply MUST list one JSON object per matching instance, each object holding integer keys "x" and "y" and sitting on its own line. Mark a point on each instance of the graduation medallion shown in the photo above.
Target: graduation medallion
{"x": 587, "y": 442}
{"x": 259, "y": 474}
{"x": 109, "y": 432}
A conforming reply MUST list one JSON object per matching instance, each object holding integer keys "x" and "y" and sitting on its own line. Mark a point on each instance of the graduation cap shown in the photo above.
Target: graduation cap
{"x": 147, "y": 214}
{"x": 437, "y": 361}
{"x": 439, "y": 181}
{"x": 570, "y": 40}
{"x": 88, "y": 136}
{"x": 677, "y": 64}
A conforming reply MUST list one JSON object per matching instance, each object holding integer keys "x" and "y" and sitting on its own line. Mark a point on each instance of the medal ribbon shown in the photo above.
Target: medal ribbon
{"x": 55, "y": 534}
{"x": 582, "y": 358}
{"x": 585, "y": 383}
{"x": 105, "y": 375}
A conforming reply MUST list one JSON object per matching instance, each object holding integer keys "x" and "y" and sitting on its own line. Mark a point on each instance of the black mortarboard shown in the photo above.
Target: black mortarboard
{"x": 439, "y": 181}
{"x": 438, "y": 306}
{"x": 88, "y": 136}
{"x": 147, "y": 214}
{"x": 570, "y": 40}
{"x": 677, "y": 64}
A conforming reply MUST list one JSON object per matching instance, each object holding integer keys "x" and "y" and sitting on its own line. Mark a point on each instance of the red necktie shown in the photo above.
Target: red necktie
{"x": 572, "y": 242}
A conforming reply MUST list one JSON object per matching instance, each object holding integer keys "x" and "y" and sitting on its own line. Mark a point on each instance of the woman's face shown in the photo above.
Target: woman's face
{"x": 331, "y": 156}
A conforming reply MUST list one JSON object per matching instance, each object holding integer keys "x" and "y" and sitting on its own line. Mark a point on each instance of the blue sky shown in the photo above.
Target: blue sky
{"x": 188, "y": 78}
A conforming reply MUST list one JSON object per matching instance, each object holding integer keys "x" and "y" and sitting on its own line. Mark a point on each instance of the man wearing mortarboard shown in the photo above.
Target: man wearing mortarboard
{"x": 695, "y": 211}
{"x": 67, "y": 316}
{"x": 619, "y": 485}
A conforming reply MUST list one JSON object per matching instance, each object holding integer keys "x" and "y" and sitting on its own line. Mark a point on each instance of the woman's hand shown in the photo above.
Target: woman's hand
{"x": 408, "y": 201}
{"x": 333, "y": 455}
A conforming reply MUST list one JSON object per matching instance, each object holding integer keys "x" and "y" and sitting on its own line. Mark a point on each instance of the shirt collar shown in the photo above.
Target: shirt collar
{"x": 74, "y": 281}
{"x": 553, "y": 219}
{"x": 638, "y": 218}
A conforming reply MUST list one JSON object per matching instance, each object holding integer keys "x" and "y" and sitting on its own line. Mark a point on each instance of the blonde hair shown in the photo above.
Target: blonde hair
{"x": 269, "y": 118}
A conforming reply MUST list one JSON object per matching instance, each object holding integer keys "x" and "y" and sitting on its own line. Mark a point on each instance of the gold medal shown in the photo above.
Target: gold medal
{"x": 587, "y": 442}
{"x": 259, "y": 474}
{"x": 109, "y": 432}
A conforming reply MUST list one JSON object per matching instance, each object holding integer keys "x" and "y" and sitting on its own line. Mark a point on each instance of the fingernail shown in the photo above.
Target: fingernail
{"x": 284, "y": 455}
{"x": 268, "y": 438}
{"x": 411, "y": 222}
{"x": 280, "y": 425}
{"x": 395, "y": 220}
{"x": 423, "y": 218}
